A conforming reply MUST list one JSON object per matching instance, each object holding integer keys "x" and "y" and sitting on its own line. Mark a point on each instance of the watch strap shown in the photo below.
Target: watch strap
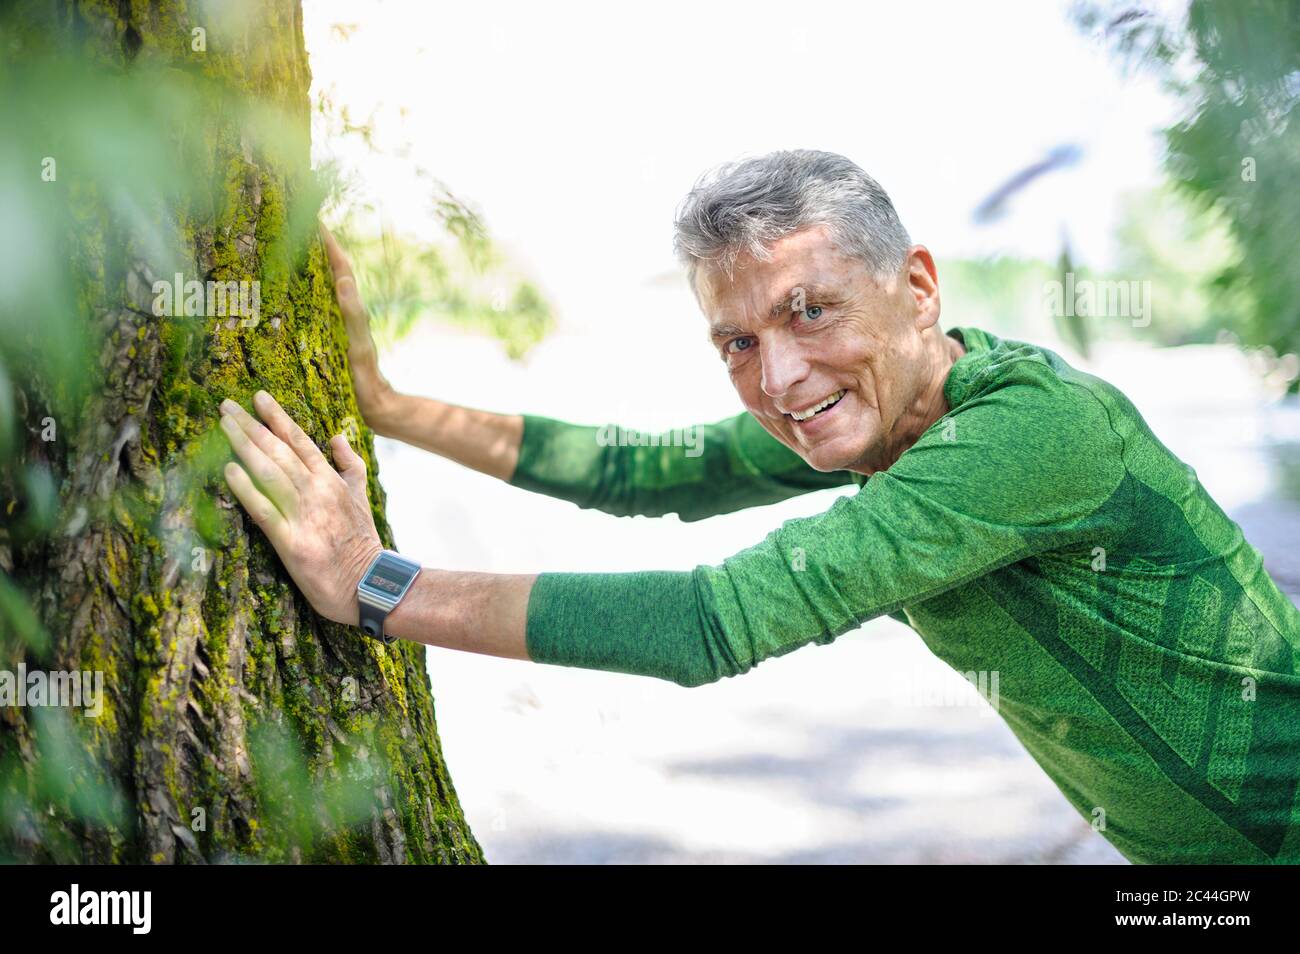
{"x": 372, "y": 621}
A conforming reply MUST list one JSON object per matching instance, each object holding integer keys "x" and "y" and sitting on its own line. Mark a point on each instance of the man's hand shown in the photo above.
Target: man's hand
{"x": 375, "y": 396}
{"x": 318, "y": 519}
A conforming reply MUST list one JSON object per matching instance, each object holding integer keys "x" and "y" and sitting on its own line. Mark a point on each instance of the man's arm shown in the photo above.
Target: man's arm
{"x": 1025, "y": 474}
{"x": 482, "y": 440}
{"x": 1022, "y": 476}
{"x": 474, "y": 612}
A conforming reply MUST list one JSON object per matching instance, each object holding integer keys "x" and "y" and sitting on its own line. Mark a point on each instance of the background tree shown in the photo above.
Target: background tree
{"x": 146, "y": 141}
{"x": 1235, "y": 151}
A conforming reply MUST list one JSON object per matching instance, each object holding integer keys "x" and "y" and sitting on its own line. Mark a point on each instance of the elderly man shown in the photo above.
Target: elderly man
{"x": 1015, "y": 512}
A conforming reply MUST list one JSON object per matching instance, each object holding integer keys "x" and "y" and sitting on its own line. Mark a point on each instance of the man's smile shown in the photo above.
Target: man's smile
{"x": 824, "y": 404}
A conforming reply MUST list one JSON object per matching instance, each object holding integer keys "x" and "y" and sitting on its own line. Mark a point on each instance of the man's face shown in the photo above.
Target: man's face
{"x": 812, "y": 326}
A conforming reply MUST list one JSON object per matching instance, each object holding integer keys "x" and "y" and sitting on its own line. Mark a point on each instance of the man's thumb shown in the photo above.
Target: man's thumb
{"x": 351, "y": 465}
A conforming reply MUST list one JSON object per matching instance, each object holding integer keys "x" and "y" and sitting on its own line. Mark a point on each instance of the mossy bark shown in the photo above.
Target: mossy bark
{"x": 155, "y": 576}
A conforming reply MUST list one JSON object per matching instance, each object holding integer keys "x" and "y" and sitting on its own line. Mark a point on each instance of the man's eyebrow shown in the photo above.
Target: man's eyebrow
{"x": 724, "y": 331}
{"x": 810, "y": 292}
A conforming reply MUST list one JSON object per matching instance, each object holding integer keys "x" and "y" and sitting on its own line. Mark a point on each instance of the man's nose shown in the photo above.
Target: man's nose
{"x": 784, "y": 365}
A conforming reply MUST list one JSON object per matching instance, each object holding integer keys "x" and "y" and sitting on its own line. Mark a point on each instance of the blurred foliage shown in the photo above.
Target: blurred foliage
{"x": 1235, "y": 67}
{"x": 46, "y": 808}
{"x": 455, "y": 273}
{"x": 1162, "y": 239}
{"x": 1182, "y": 248}
{"x": 463, "y": 283}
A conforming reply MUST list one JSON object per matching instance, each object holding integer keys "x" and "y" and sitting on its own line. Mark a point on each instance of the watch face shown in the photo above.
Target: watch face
{"x": 389, "y": 576}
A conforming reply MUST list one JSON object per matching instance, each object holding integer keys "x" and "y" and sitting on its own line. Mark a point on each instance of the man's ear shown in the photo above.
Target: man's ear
{"x": 923, "y": 286}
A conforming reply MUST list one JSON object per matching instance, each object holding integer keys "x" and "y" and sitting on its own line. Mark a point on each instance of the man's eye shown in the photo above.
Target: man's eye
{"x": 736, "y": 345}
{"x": 813, "y": 311}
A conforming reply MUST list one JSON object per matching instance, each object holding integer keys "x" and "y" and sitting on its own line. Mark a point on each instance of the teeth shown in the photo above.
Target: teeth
{"x": 804, "y": 415}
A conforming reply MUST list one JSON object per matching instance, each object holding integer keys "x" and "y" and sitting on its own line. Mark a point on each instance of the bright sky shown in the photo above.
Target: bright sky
{"x": 576, "y": 128}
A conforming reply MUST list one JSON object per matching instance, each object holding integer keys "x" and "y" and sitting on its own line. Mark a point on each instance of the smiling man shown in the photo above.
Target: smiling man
{"x": 1018, "y": 514}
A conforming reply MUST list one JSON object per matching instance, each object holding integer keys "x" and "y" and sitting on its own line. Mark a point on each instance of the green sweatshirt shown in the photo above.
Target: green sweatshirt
{"x": 1038, "y": 531}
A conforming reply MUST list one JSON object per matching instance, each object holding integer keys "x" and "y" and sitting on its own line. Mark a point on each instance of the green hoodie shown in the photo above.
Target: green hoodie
{"x": 1038, "y": 531}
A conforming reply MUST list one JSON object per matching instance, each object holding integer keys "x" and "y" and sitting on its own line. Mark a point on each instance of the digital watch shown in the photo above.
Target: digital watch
{"x": 381, "y": 588}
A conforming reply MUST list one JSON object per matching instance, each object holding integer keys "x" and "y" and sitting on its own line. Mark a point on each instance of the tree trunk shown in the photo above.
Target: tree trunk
{"x": 236, "y": 723}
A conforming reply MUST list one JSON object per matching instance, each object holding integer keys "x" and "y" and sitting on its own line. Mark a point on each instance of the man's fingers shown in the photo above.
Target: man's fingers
{"x": 361, "y": 347}
{"x": 338, "y": 261}
{"x": 270, "y": 444}
{"x": 287, "y": 429}
{"x": 260, "y": 508}
{"x": 349, "y": 299}
{"x": 352, "y": 466}
{"x": 267, "y": 472}
{"x": 345, "y": 284}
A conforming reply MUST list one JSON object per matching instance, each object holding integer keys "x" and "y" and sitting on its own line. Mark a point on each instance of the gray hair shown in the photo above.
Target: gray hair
{"x": 745, "y": 206}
